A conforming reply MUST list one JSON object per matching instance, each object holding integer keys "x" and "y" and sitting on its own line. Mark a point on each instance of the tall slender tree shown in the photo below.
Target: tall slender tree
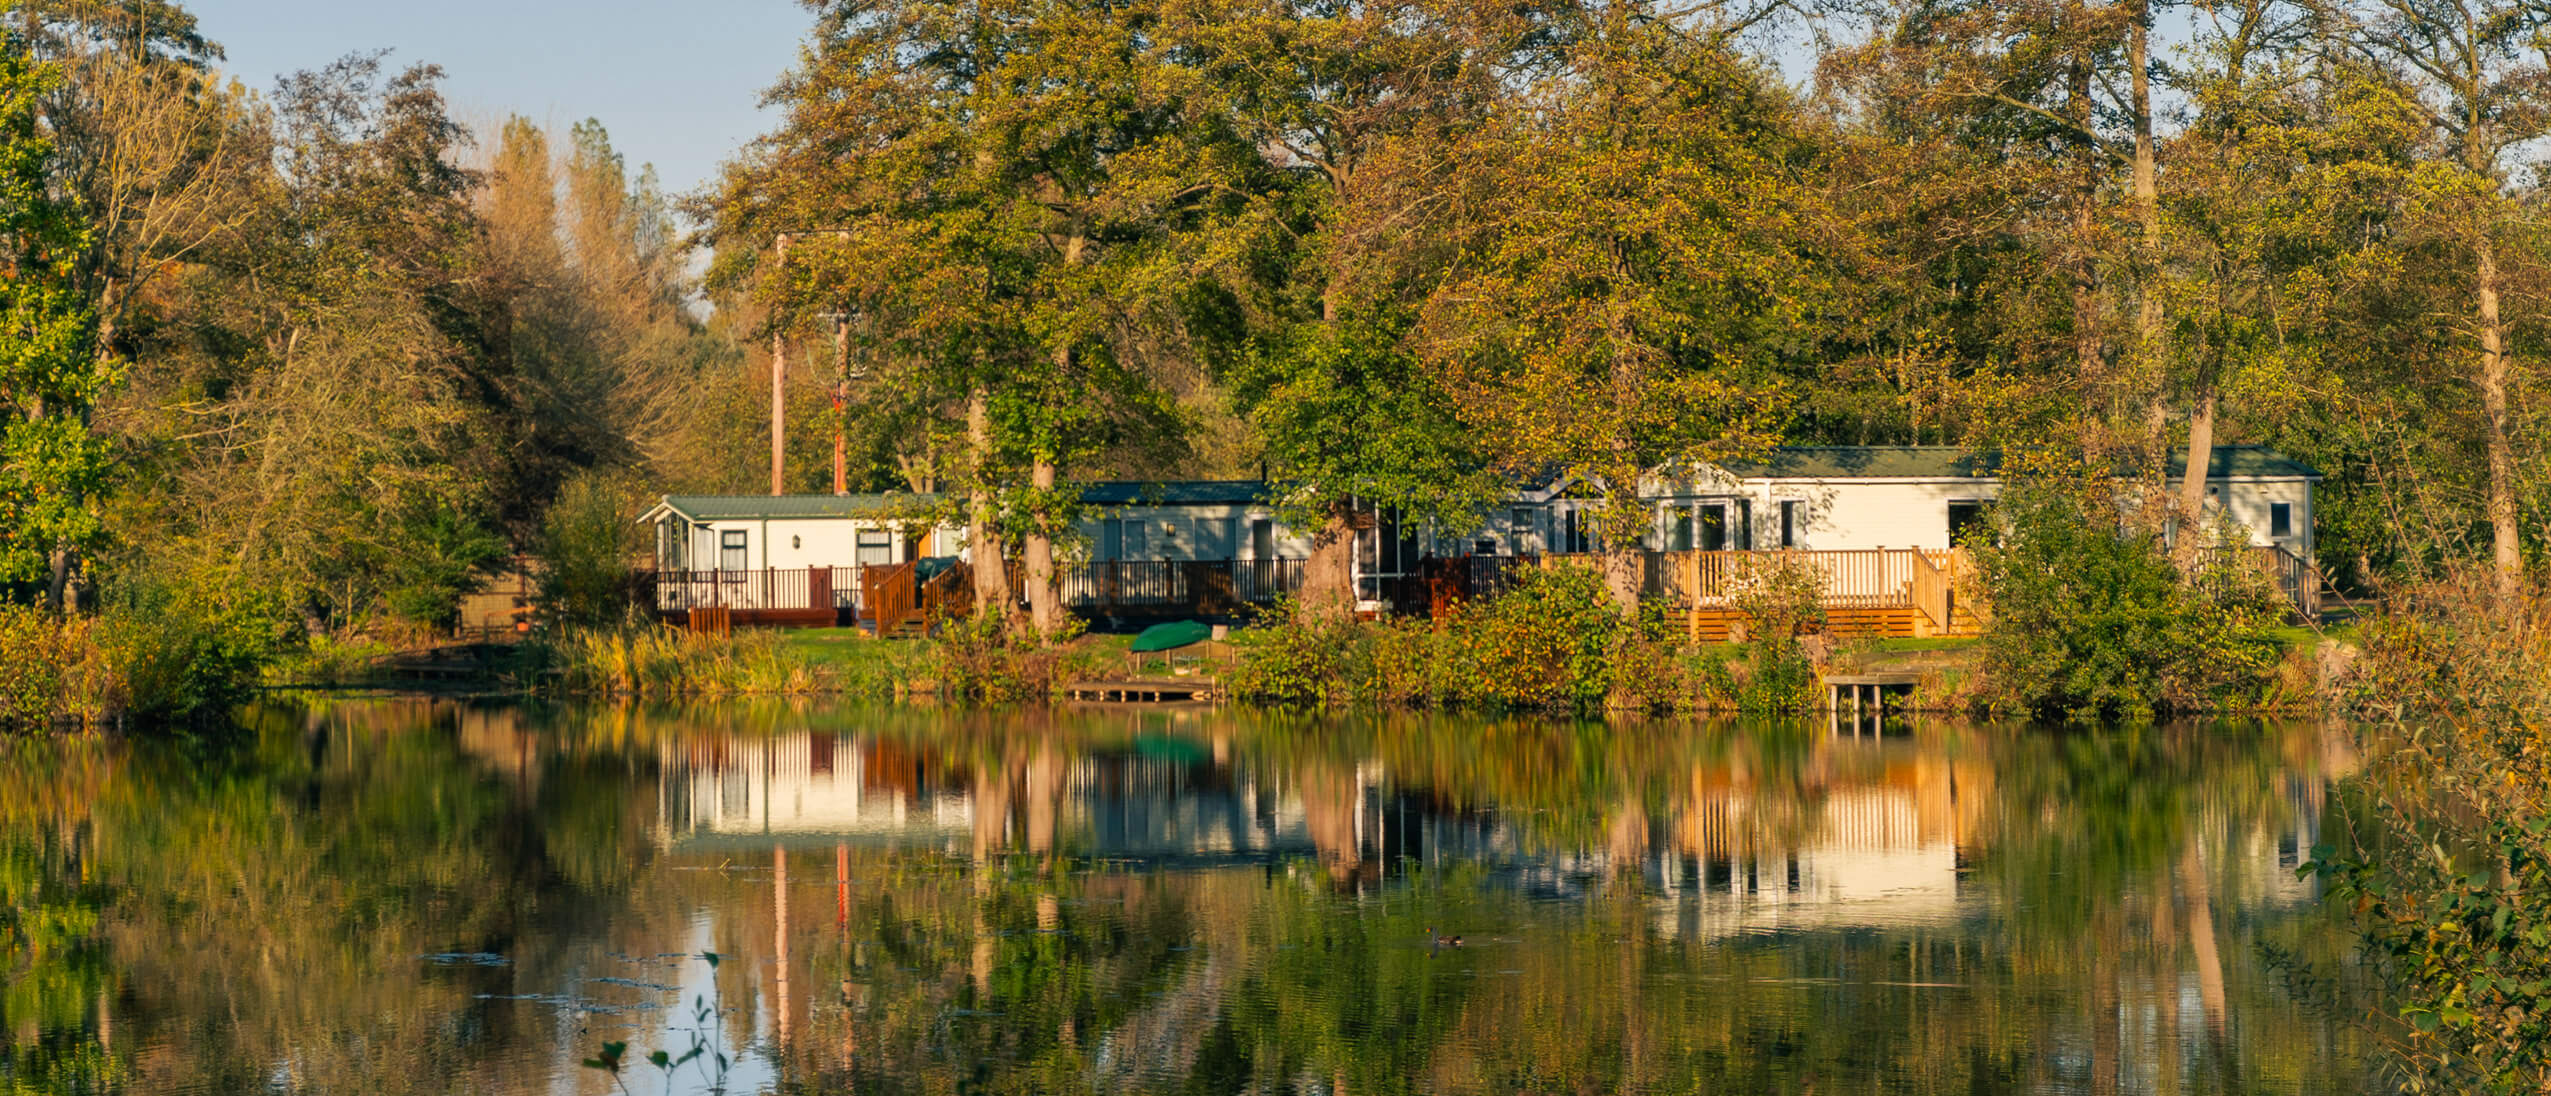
{"x": 52, "y": 464}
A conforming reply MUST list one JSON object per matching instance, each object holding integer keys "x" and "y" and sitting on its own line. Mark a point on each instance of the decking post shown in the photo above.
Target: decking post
{"x": 1692, "y": 597}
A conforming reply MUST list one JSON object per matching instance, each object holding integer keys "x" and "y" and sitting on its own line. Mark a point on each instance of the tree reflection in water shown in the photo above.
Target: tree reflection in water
{"x": 432, "y": 896}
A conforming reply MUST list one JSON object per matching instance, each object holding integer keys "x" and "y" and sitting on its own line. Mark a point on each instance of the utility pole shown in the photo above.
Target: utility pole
{"x": 779, "y": 377}
{"x": 841, "y": 390}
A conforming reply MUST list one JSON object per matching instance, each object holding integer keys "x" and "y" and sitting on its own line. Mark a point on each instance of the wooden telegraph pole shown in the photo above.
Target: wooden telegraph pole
{"x": 779, "y": 379}
{"x": 841, "y": 390}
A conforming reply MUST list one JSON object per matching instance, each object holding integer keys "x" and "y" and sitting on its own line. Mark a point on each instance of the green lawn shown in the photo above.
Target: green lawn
{"x": 2305, "y": 637}
{"x": 1933, "y": 643}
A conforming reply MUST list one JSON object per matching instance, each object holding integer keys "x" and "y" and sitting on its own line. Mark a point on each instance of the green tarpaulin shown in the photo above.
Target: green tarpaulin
{"x": 1177, "y": 633}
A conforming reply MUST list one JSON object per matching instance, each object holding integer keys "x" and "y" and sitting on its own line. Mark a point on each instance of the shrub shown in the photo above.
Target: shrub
{"x": 2445, "y": 857}
{"x": 439, "y": 554}
{"x": 2090, "y": 622}
{"x": 586, "y": 541}
{"x": 1779, "y": 596}
{"x": 1299, "y": 657}
{"x": 2447, "y": 869}
{"x": 1552, "y": 641}
{"x": 184, "y": 647}
{"x": 1547, "y": 642}
{"x": 159, "y": 650}
{"x": 983, "y": 656}
{"x": 33, "y": 647}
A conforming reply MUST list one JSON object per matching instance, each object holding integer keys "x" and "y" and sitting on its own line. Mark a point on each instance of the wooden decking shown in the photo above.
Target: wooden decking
{"x": 1146, "y": 690}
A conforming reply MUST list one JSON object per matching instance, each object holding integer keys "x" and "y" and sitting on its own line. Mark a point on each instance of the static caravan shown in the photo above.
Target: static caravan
{"x": 1186, "y": 520}
{"x": 786, "y": 558}
{"x": 1206, "y": 547}
{"x": 1859, "y": 497}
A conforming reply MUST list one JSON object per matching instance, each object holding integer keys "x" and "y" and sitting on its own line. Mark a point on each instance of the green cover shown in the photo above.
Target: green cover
{"x": 1176, "y": 633}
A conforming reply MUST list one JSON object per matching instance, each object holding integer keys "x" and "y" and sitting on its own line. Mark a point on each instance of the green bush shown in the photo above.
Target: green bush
{"x": 1779, "y": 595}
{"x": 587, "y": 539}
{"x": 2089, "y": 622}
{"x": 1553, "y": 641}
{"x": 1299, "y": 657}
{"x": 440, "y": 554}
{"x": 983, "y": 657}
{"x": 187, "y": 647}
{"x": 34, "y": 648}
{"x": 159, "y": 651}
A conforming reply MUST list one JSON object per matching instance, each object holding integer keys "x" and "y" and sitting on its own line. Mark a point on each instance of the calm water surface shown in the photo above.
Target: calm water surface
{"x": 414, "y": 896}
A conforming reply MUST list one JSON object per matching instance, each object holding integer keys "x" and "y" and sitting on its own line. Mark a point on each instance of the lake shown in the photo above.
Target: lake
{"x": 395, "y": 896}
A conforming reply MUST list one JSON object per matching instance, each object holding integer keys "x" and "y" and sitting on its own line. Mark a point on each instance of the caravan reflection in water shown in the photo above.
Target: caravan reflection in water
{"x": 1216, "y": 902}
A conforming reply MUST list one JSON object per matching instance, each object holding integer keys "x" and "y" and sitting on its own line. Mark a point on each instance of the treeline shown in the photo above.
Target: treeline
{"x": 317, "y": 356}
{"x": 1394, "y": 252}
{"x": 327, "y": 351}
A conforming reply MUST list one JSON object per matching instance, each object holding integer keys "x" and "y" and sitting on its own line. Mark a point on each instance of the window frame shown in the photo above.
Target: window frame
{"x": 735, "y": 544}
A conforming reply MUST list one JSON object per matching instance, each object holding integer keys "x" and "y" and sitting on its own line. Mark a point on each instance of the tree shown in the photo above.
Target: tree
{"x": 1637, "y": 252}
{"x": 2474, "y": 77}
{"x": 1318, "y": 279}
{"x": 993, "y": 203}
{"x": 51, "y": 463}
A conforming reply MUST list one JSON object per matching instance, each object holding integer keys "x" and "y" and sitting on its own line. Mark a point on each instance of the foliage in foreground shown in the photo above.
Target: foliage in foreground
{"x": 2089, "y": 622}
{"x": 162, "y": 653}
{"x": 978, "y": 659}
{"x": 2445, "y": 859}
{"x": 660, "y": 661}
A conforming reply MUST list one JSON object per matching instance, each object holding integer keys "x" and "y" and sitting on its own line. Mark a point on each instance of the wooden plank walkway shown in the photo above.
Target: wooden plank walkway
{"x": 1146, "y": 690}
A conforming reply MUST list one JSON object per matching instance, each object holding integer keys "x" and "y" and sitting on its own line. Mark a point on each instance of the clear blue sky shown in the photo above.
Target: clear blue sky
{"x": 675, "y": 81}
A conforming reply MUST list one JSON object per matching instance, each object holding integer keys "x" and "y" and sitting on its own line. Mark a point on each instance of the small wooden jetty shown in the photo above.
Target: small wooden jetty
{"x": 1855, "y": 701}
{"x": 1146, "y": 690}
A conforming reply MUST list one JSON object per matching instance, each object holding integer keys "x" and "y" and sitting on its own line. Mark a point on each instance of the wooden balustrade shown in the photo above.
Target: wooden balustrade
{"x": 892, "y": 596}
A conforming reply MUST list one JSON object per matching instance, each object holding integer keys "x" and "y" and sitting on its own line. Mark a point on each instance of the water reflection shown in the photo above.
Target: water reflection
{"x": 413, "y": 896}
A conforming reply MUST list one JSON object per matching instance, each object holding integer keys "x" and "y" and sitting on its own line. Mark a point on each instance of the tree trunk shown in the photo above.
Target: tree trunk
{"x": 1624, "y": 573}
{"x": 1045, "y": 603}
{"x": 2192, "y": 480}
{"x": 2494, "y": 366}
{"x": 57, "y": 582}
{"x": 991, "y": 578}
{"x": 779, "y": 386}
{"x": 2088, "y": 354}
{"x": 1328, "y": 578}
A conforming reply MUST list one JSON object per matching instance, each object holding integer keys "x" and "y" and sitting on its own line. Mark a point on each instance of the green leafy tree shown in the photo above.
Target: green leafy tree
{"x": 1637, "y": 255}
{"x": 52, "y": 465}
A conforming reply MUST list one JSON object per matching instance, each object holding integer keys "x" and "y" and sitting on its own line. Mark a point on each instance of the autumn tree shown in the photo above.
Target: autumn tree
{"x": 1638, "y": 251}
{"x": 2475, "y": 77}
{"x": 998, "y": 202}
{"x": 1344, "y": 104}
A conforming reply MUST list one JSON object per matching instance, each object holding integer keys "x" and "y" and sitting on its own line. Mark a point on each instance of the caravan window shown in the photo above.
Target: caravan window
{"x": 1789, "y": 529}
{"x": 876, "y": 547}
{"x": 1713, "y": 528}
{"x": 1966, "y": 521}
{"x": 730, "y": 550}
{"x": 2280, "y": 519}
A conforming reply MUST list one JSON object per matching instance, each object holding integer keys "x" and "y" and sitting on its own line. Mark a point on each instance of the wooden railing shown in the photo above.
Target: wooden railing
{"x": 786, "y": 588}
{"x": 1209, "y": 587}
{"x": 2293, "y": 576}
{"x": 891, "y": 595}
{"x": 948, "y": 594}
{"x": 1851, "y": 578}
{"x": 1933, "y": 593}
